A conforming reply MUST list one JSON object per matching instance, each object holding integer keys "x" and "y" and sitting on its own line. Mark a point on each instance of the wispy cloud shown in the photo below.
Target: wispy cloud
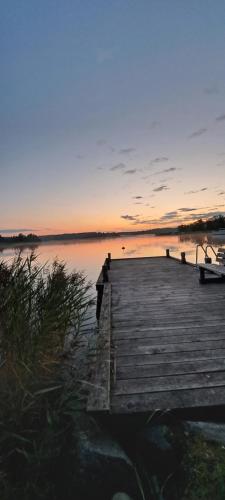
{"x": 197, "y": 191}
{"x": 211, "y": 90}
{"x": 129, "y": 217}
{"x": 131, "y": 171}
{"x": 101, "y": 142}
{"x": 220, "y": 118}
{"x": 170, "y": 215}
{"x": 186, "y": 209}
{"x": 127, "y": 151}
{"x": 159, "y": 159}
{"x": 163, "y": 187}
{"x": 221, "y": 193}
{"x": 137, "y": 197}
{"x": 166, "y": 171}
{"x": 17, "y": 230}
{"x": 198, "y": 132}
{"x": 119, "y": 166}
{"x": 204, "y": 215}
{"x": 154, "y": 124}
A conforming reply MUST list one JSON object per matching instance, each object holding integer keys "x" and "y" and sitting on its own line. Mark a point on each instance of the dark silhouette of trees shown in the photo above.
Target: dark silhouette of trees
{"x": 20, "y": 238}
{"x": 212, "y": 224}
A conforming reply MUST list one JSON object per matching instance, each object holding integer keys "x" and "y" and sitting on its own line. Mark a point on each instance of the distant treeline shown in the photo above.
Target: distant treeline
{"x": 74, "y": 236}
{"x": 20, "y": 238}
{"x": 33, "y": 238}
{"x": 213, "y": 224}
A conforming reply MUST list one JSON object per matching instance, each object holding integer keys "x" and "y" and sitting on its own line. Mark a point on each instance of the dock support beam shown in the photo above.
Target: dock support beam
{"x": 168, "y": 252}
{"x": 105, "y": 274}
{"x": 183, "y": 258}
{"x": 100, "y": 289}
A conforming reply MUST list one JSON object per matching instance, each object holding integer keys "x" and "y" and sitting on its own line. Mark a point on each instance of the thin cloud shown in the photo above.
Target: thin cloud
{"x": 220, "y": 118}
{"x": 126, "y": 151}
{"x": 213, "y": 89}
{"x": 17, "y": 230}
{"x": 204, "y": 215}
{"x": 170, "y": 215}
{"x": 164, "y": 187}
{"x": 144, "y": 221}
{"x": 131, "y": 171}
{"x": 137, "y": 197}
{"x": 197, "y": 133}
{"x": 187, "y": 209}
{"x": 166, "y": 171}
{"x": 119, "y": 166}
{"x": 159, "y": 159}
{"x": 101, "y": 142}
{"x": 197, "y": 191}
{"x": 129, "y": 217}
{"x": 221, "y": 193}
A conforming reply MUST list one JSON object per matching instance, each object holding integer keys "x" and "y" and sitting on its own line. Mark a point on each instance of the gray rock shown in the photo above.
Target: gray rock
{"x": 210, "y": 431}
{"x": 102, "y": 466}
{"x": 121, "y": 496}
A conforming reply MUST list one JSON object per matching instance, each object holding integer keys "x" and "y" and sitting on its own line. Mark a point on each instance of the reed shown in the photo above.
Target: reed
{"x": 42, "y": 310}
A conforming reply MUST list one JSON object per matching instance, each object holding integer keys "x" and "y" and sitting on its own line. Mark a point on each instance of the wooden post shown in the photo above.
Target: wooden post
{"x": 109, "y": 256}
{"x": 107, "y": 262}
{"x": 202, "y": 275}
{"x": 168, "y": 252}
{"x": 99, "y": 289}
{"x": 183, "y": 258}
{"x": 105, "y": 274}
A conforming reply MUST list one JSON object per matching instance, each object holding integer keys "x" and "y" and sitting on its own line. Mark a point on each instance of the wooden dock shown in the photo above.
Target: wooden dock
{"x": 161, "y": 343}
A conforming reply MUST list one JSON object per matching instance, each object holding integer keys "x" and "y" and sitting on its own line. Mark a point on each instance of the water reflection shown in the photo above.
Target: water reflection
{"x": 88, "y": 255}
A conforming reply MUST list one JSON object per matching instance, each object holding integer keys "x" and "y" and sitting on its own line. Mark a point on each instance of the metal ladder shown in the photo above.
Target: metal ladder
{"x": 208, "y": 259}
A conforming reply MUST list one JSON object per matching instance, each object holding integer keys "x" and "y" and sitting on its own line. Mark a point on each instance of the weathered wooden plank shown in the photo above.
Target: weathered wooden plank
{"x": 135, "y": 350}
{"x": 214, "y": 268}
{"x": 175, "y": 329}
{"x": 99, "y": 396}
{"x": 169, "y": 333}
{"x": 169, "y": 383}
{"x": 167, "y": 339}
{"x": 169, "y": 357}
{"x": 166, "y": 324}
{"x": 174, "y": 368}
{"x": 151, "y": 402}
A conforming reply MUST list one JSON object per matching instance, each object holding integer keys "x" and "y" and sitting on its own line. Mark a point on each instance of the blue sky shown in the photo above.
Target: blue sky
{"x": 106, "y": 101}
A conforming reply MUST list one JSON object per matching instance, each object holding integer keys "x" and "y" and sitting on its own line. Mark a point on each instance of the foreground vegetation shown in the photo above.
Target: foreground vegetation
{"x": 42, "y": 310}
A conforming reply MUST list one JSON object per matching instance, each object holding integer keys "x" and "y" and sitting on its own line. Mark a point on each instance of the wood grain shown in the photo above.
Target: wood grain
{"x": 99, "y": 396}
{"x": 168, "y": 334}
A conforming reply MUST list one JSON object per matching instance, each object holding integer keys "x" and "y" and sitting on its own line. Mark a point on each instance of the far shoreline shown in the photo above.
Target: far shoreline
{"x": 81, "y": 239}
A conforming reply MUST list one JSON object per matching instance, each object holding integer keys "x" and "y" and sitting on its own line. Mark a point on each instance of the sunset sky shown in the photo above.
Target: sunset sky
{"x": 112, "y": 114}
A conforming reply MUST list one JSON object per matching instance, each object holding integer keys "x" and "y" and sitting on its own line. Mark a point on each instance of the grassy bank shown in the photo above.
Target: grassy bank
{"x": 42, "y": 310}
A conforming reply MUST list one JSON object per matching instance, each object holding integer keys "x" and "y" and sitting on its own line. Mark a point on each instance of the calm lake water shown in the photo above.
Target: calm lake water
{"x": 89, "y": 255}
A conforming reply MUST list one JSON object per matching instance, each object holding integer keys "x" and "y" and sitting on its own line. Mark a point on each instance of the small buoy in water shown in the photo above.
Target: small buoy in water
{"x": 123, "y": 248}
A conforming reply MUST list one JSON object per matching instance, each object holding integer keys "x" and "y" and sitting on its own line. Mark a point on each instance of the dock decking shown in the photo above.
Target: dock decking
{"x": 161, "y": 341}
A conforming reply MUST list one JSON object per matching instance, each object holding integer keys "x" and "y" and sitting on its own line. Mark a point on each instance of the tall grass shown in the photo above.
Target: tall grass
{"x": 42, "y": 310}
